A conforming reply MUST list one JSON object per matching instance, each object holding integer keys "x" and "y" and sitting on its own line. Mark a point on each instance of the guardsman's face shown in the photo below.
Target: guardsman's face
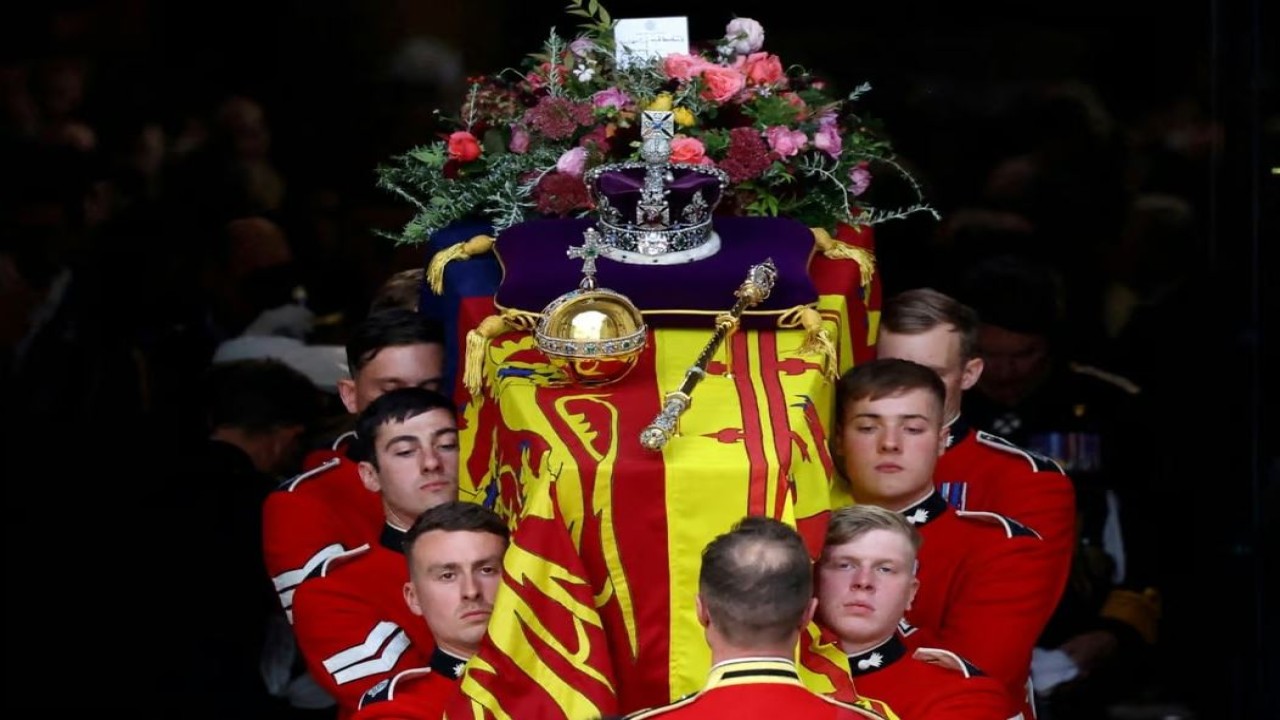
{"x": 400, "y": 366}
{"x": 865, "y": 586}
{"x": 1016, "y": 363}
{"x": 453, "y": 583}
{"x": 889, "y": 447}
{"x": 938, "y": 349}
{"x": 417, "y": 465}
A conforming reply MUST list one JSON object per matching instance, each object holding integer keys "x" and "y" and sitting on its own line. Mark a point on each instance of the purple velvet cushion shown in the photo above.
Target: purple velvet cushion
{"x": 536, "y": 270}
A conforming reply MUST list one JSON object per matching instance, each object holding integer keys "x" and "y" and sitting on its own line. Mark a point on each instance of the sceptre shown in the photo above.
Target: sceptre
{"x": 751, "y": 292}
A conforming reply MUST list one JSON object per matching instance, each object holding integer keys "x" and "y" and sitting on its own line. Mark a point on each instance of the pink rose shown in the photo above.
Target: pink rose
{"x": 519, "y": 140}
{"x": 744, "y": 35}
{"x": 463, "y": 146}
{"x": 573, "y": 162}
{"x": 687, "y": 150}
{"x": 679, "y": 66}
{"x": 610, "y": 98}
{"x": 761, "y": 68}
{"x": 859, "y": 179}
{"x": 785, "y": 141}
{"x": 828, "y": 140}
{"x": 721, "y": 83}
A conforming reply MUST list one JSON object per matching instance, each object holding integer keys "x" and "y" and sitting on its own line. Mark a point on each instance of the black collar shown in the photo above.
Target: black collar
{"x": 957, "y": 431}
{"x": 392, "y": 538}
{"x": 926, "y": 511}
{"x": 445, "y": 665}
{"x": 878, "y": 657}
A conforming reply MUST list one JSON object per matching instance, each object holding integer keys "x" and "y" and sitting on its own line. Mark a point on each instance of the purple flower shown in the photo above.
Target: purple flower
{"x": 827, "y": 139}
{"x": 859, "y": 179}
{"x": 582, "y": 47}
{"x": 573, "y": 162}
{"x": 519, "y": 140}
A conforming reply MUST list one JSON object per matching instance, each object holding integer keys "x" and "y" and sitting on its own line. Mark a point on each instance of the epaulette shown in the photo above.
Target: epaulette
{"x": 1039, "y": 463}
{"x": 659, "y": 710}
{"x": 292, "y": 483}
{"x": 386, "y": 688}
{"x": 1012, "y": 528}
{"x": 338, "y": 560}
{"x": 1118, "y": 381}
{"x": 947, "y": 659}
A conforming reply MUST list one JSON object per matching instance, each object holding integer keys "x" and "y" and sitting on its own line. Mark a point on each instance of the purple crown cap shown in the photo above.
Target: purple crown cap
{"x": 622, "y": 190}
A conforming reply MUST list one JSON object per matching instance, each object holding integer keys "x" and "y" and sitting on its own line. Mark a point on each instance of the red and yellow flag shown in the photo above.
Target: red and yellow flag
{"x": 596, "y": 611}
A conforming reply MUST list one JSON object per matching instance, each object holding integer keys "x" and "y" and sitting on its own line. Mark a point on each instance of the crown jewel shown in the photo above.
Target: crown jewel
{"x": 655, "y": 212}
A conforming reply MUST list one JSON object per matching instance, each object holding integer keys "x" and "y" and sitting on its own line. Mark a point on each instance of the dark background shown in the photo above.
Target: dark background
{"x": 948, "y": 80}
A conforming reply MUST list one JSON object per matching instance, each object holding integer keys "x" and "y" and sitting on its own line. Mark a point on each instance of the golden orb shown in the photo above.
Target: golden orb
{"x": 593, "y": 335}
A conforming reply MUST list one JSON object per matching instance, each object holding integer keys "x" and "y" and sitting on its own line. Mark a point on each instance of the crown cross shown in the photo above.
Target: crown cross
{"x": 587, "y": 252}
{"x": 657, "y": 122}
{"x": 646, "y": 216}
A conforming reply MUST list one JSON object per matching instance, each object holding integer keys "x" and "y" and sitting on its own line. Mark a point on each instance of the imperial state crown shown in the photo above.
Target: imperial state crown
{"x": 655, "y": 212}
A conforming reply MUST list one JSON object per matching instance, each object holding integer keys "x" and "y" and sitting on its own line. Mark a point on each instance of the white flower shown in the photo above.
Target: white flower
{"x": 584, "y": 73}
{"x": 744, "y": 35}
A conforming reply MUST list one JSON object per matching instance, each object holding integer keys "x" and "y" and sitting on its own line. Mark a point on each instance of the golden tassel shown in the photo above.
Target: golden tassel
{"x": 477, "y": 344}
{"x": 521, "y": 319}
{"x": 477, "y": 245}
{"x": 817, "y": 341}
{"x": 836, "y": 250}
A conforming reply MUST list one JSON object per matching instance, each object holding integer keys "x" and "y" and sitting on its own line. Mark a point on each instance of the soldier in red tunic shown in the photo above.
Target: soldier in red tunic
{"x": 455, "y": 564}
{"x": 982, "y": 592}
{"x": 326, "y": 511}
{"x": 866, "y": 581}
{"x": 979, "y": 471}
{"x": 755, "y": 597}
{"x": 352, "y": 623}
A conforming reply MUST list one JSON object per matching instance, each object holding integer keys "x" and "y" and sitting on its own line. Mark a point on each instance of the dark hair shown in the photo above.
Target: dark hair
{"x": 756, "y": 582}
{"x": 912, "y": 312}
{"x": 1015, "y": 293}
{"x": 258, "y": 395}
{"x": 884, "y": 377}
{"x": 395, "y": 406}
{"x": 392, "y": 327}
{"x": 401, "y": 290}
{"x": 456, "y": 516}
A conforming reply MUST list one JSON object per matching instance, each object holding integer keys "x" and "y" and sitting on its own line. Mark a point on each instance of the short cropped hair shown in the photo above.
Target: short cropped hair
{"x": 258, "y": 395}
{"x": 885, "y": 377}
{"x": 915, "y": 311}
{"x": 456, "y": 516}
{"x": 756, "y": 581}
{"x": 395, "y": 406}
{"x": 852, "y": 522}
{"x": 401, "y": 290}
{"x": 392, "y": 327}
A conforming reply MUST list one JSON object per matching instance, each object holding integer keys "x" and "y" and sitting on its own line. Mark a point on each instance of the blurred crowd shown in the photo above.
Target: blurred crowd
{"x": 144, "y": 241}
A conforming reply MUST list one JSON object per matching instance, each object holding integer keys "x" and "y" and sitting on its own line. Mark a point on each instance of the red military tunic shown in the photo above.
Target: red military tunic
{"x": 982, "y": 591}
{"x": 757, "y": 689}
{"x": 985, "y": 472}
{"x": 353, "y": 626}
{"x": 417, "y": 694}
{"x": 318, "y": 515}
{"x": 920, "y": 685}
